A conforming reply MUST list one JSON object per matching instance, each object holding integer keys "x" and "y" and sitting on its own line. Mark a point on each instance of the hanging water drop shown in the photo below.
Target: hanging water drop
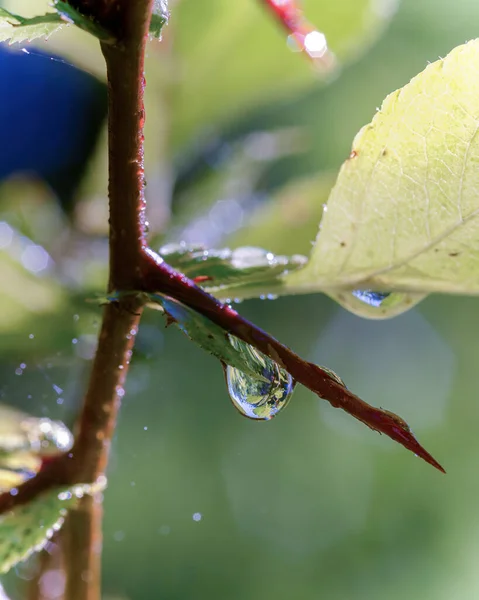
{"x": 371, "y": 298}
{"x": 262, "y": 397}
{"x": 377, "y": 305}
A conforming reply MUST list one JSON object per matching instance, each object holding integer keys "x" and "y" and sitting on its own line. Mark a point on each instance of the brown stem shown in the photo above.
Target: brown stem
{"x": 160, "y": 277}
{"x": 126, "y": 82}
{"x": 126, "y": 118}
{"x": 82, "y": 540}
{"x": 105, "y": 390}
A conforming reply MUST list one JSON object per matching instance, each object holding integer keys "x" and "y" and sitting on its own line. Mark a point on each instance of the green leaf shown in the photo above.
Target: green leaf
{"x": 232, "y": 55}
{"x": 403, "y": 214}
{"x": 28, "y": 527}
{"x": 24, "y": 441}
{"x": 73, "y": 16}
{"x": 159, "y": 17}
{"x": 203, "y": 332}
{"x": 228, "y": 271}
{"x": 16, "y": 29}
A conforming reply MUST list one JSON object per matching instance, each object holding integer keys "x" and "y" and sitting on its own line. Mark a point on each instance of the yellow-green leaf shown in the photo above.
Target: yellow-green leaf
{"x": 403, "y": 213}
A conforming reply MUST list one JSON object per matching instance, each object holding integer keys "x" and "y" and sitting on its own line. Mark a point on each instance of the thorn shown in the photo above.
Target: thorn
{"x": 398, "y": 430}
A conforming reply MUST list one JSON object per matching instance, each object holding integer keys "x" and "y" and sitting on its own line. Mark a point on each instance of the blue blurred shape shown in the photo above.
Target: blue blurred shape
{"x": 50, "y": 116}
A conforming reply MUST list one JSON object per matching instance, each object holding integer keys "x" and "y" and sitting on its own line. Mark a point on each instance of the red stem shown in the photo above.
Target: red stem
{"x": 160, "y": 277}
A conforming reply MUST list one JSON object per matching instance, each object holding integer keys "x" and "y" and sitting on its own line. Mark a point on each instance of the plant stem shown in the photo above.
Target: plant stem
{"x": 105, "y": 391}
{"x": 126, "y": 118}
{"x": 160, "y": 277}
{"x": 82, "y": 541}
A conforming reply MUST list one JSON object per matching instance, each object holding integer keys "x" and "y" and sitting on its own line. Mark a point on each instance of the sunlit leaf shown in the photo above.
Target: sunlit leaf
{"x": 15, "y": 29}
{"x": 216, "y": 270}
{"x": 28, "y": 527}
{"x": 403, "y": 213}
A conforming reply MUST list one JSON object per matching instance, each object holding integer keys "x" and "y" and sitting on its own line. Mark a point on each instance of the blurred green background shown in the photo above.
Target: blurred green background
{"x": 243, "y": 140}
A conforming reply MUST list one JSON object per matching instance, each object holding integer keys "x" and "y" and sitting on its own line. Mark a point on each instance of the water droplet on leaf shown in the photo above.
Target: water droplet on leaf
{"x": 262, "y": 397}
{"x": 371, "y": 298}
{"x": 377, "y": 305}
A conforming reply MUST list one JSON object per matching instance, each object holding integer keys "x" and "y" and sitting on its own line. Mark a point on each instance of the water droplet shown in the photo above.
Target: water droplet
{"x": 334, "y": 376}
{"x": 119, "y": 536}
{"x": 372, "y": 298}
{"x": 164, "y": 530}
{"x": 262, "y": 397}
{"x": 377, "y": 305}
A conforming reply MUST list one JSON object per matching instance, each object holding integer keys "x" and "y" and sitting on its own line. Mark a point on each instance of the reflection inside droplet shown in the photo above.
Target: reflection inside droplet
{"x": 262, "y": 397}
{"x": 371, "y": 298}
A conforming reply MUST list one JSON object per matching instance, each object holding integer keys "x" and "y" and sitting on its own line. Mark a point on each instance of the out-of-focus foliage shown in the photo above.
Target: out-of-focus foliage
{"x": 240, "y": 46}
{"x": 311, "y": 505}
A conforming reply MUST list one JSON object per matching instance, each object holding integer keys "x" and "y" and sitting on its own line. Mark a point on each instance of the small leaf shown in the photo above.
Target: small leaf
{"x": 159, "y": 17}
{"x": 28, "y": 527}
{"x": 73, "y": 16}
{"x": 226, "y": 272}
{"x": 403, "y": 214}
{"x": 16, "y": 29}
{"x": 203, "y": 332}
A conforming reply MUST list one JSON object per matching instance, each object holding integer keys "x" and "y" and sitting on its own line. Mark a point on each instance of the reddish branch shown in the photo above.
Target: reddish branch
{"x": 160, "y": 277}
{"x": 291, "y": 17}
{"x": 82, "y": 544}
